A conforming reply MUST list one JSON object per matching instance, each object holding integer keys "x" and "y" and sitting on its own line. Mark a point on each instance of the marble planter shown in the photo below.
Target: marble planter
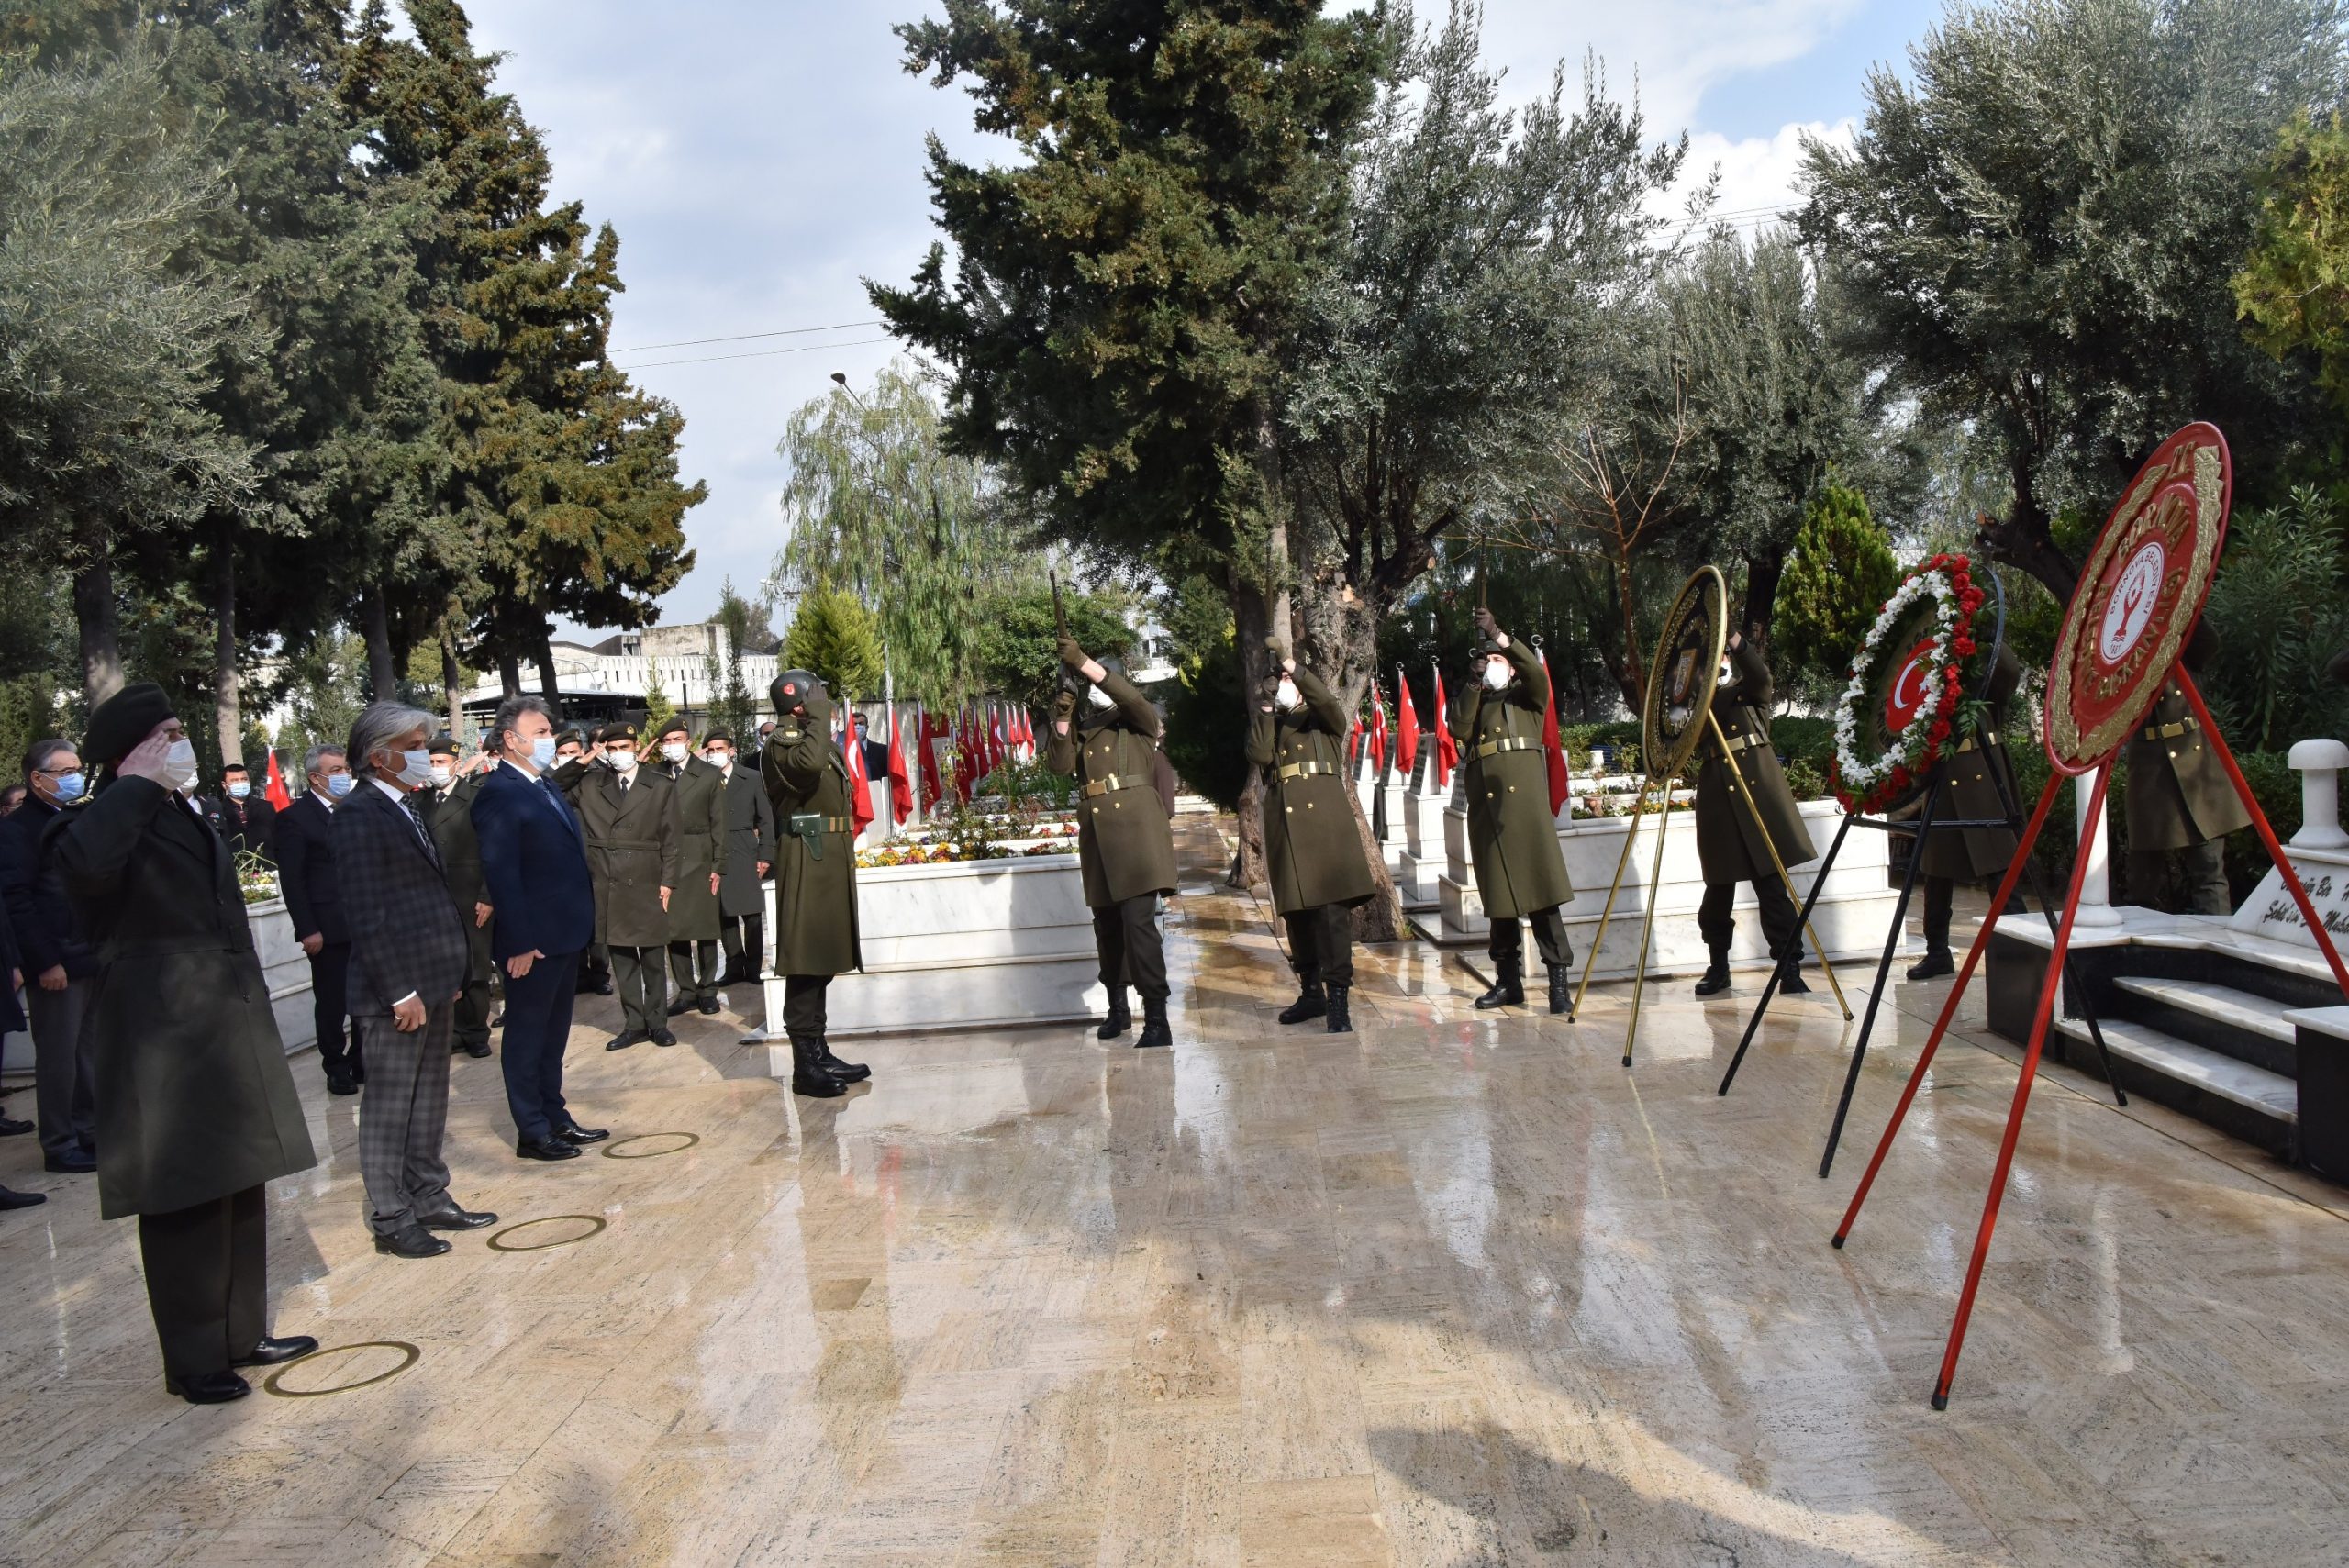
{"x": 1852, "y": 914}
{"x": 971, "y": 944}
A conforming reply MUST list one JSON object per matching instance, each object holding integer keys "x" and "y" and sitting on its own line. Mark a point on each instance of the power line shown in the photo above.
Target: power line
{"x": 746, "y": 337}
{"x": 759, "y": 353}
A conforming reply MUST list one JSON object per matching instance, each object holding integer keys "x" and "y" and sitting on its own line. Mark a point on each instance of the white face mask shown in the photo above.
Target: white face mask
{"x": 1287, "y": 697}
{"x": 674, "y": 750}
{"x": 1098, "y": 697}
{"x": 542, "y": 753}
{"x": 179, "y": 765}
{"x": 239, "y": 790}
{"x": 416, "y": 769}
{"x": 718, "y": 759}
{"x": 1496, "y": 676}
{"x": 621, "y": 761}
{"x": 442, "y": 774}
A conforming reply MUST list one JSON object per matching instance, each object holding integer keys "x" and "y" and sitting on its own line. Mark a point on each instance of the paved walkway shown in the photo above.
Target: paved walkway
{"x": 1455, "y": 1290}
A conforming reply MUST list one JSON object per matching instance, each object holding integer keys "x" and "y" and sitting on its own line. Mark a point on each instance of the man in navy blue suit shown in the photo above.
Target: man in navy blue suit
{"x": 534, "y": 860}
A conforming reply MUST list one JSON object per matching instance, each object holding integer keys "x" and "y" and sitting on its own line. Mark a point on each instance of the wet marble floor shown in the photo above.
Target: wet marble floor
{"x": 1455, "y": 1290}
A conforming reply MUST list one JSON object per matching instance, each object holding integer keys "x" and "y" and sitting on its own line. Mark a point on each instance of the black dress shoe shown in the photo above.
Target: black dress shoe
{"x": 1714, "y": 982}
{"x": 572, "y": 1132}
{"x": 10, "y": 1199}
{"x": 267, "y": 1351}
{"x": 455, "y": 1218}
{"x": 410, "y": 1242}
{"x": 477, "y": 1047}
{"x": 1932, "y": 965}
{"x": 681, "y": 1004}
{"x": 75, "y": 1164}
{"x": 663, "y": 1037}
{"x": 625, "y": 1038}
{"x": 341, "y": 1084}
{"x": 13, "y": 1128}
{"x": 209, "y": 1387}
{"x": 708, "y": 1005}
{"x": 547, "y": 1148}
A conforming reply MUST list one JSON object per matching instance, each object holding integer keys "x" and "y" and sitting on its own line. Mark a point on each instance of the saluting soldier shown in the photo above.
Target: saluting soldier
{"x": 749, "y": 850}
{"x": 1312, "y": 849}
{"x": 1972, "y": 777}
{"x": 1125, "y": 843}
{"x": 815, "y": 933}
{"x": 576, "y": 753}
{"x": 1512, "y": 836}
{"x": 700, "y": 797}
{"x": 447, "y": 808}
{"x": 629, "y": 816}
{"x": 1730, "y": 844}
{"x": 2180, "y": 803}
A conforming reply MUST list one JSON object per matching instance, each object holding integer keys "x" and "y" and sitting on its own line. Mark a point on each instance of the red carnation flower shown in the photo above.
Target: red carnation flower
{"x": 1939, "y": 732}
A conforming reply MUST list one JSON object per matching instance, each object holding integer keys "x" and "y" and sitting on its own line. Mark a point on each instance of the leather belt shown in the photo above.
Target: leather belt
{"x": 1114, "y": 781}
{"x": 809, "y": 822}
{"x": 1304, "y": 770}
{"x": 1737, "y": 743}
{"x": 2172, "y": 731}
{"x": 1490, "y": 747}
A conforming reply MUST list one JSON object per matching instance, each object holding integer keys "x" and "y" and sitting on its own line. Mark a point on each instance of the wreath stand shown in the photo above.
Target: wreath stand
{"x": 2189, "y": 470}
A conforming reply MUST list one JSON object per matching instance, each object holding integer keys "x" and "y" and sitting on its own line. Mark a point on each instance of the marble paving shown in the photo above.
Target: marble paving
{"x": 1454, "y": 1290}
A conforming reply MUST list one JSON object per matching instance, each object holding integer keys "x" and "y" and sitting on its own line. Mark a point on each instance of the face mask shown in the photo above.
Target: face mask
{"x": 416, "y": 769}
{"x": 1098, "y": 697}
{"x": 621, "y": 761}
{"x": 542, "y": 753}
{"x": 674, "y": 750}
{"x": 1727, "y": 676}
{"x": 239, "y": 790}
{"x": 70, "y": 788}
{"x": 179, "y": 764}
{"x": 718, "y": 759}
{"x": 339, "y": 784}
{"x": 1287, "y": 697}
{"x": 1496, "y": 676}
{"x": 442, "y": 774}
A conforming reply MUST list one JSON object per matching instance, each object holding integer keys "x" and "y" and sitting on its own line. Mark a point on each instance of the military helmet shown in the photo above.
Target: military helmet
{"x": 792, "y": 689}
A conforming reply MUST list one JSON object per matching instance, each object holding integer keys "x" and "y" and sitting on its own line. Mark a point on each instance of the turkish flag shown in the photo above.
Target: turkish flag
{"x": 860, "y": 787}
{"x": 1560, "y": 784}
{"x": 1407, "y": 726}
{"x": 932, "y": 729}
{"x": 1447, "y": 749}
{"x": 274, "y": 788}
{"x": 1378, "y": 733}
{"x": 901, "y": 784}
{"x": 966, "y": 756}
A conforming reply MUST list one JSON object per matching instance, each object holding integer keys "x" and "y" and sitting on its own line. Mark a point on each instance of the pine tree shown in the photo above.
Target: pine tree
{"x": 838, "y": 638}
{"x": 658, "y": 709}
{"x": 1837, "y": 576}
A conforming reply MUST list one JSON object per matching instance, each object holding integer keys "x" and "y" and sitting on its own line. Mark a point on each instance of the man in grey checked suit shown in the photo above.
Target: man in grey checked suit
{"x": 408, "y": 973}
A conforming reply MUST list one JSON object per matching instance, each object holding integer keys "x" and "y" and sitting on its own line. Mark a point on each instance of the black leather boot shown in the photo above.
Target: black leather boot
{"x": 1508, "y": 988}
{"x": 1340, "y": 1020}
{"x": 1792, "y": 983}
{"x": 1715, "y": 977}
{"x": 1154, "y": 1030}
{"x": 1311, "y": 1003}
{"x": 1120, "y": 1018}
{"x": 807, "y": 1075}
{"x": 846, "y": 1072}
{"x": 1935, "y": 963}
{"x": 1561, "y": 993}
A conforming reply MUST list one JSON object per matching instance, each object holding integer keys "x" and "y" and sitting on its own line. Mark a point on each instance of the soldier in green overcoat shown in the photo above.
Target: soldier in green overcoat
{"x": 1512, "y": 836}
{"x": 447, "y": 808}
{"x": 1125, "y": 844}
{"x": 576, "y": 754}
{"x": 1730, "y": 844}
{"x": 1973, "y": 775}
{"x": 2179, "y": 800}
{"x": 627, "y": 814}
{"x": 694, "y": 917}
{"x": 1313, "y": 850}
{"x": 816, "y": 932}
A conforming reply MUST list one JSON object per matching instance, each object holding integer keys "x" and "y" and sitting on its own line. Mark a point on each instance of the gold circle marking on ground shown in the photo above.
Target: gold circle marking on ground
{"x": 612, "y": 1151}
{"x": 274, "y": 1382}
{"x": 497, "y": 1242}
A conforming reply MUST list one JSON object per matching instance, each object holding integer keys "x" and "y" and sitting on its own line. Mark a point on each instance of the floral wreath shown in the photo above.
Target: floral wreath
{"x": 1873, "y": 784}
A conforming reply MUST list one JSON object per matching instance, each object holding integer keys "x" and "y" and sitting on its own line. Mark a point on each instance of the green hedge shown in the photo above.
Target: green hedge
{"x": 2273, "y": 781}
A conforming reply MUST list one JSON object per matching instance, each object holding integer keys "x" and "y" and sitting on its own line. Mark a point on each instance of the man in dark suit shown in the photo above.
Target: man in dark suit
{"x": 628, "y": 815}
{"x": 12, "y": 1017}
{"x": 305, "y": 875}
{"x": 60, "y": 969}
{"x": 239, "y": 815}
{"x": 694, "y": 917}
{"x": 408, "y": 969}
{"x": 447, "y": 807}
{"x": 749, "y": 851}
{"x": 534, "y": 862}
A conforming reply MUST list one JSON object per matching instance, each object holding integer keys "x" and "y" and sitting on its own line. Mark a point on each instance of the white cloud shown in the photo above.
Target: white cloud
{"x": 1760, "y": 175}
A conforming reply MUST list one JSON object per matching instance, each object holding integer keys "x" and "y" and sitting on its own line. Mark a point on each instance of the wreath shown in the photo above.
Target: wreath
{"x": 1900, "y": 708}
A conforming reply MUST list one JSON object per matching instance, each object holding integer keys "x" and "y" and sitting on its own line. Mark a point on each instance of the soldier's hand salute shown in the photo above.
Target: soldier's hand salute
{"x": 1520, "y": 871}
{"x": 1312, "y": 848}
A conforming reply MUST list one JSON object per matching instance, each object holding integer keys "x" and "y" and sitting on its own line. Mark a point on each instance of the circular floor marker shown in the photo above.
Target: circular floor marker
{"x": 275, "y": 1382}
{"x": 594, "y": 1222}
{"x": 612, "y": 1151}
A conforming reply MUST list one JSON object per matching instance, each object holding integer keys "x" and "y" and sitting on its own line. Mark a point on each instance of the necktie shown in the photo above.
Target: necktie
{"x": 407, "y": 809}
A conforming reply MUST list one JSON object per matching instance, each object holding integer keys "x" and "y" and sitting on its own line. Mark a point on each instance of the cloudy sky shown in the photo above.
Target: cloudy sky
{"x": 760, "y": 157}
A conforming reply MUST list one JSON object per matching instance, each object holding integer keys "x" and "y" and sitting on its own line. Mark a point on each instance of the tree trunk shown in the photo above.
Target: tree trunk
{"x": 375, "y": 626}
{"x": 94, "y": 612}
{"x": 509, "y": 674}
{"x": 1252, "y": 625}
{"x": 1631, "y": 674}
{"x": 1762, "y": 574}
{"x": 452, "y": 682}
{"x": 549, "y": 687}
{"x": 227, "y": 706}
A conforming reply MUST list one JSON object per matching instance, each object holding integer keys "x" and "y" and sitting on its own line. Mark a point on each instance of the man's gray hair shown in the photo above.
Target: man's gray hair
{"x": 510, "y": 712}
{"x": 41, "y": 754}
{"x": 378, "y": 724}
{"x": 319, "y": 753}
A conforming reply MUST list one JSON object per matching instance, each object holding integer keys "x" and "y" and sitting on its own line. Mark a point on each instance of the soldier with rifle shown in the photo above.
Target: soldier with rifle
{"x": 1313, "y": 850}
{"x": 1734, "y": 843}
{"x": 816, "y": 935}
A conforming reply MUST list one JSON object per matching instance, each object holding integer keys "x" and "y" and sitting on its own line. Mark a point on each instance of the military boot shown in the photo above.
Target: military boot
{"x": 1715, "y": 976}
{"x": 807, "y": 1075}
{"x": 1936, "y": 963}
{"x": 1561, "y": 994}
{"x": 1508, "y": 985}
{"x": 1154, "y": 1030}
{"x": 846, "y": 1072}
{"x": 1310, "y": 1002}
{"x": 1341, "y": 1021}
{"x": 1120, "y": 1018}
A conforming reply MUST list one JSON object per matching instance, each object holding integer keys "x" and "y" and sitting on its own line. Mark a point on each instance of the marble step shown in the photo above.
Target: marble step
{"x": 2241, "y": 1024}
{"x": 2250, "y": 1102}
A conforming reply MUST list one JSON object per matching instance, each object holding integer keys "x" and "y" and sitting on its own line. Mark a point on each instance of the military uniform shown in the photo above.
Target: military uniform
{"x": 815, "y": 934}
{"x": 449, "y": 816}
{"x": 1512, "y": 833}
{"x": 1978, "y": 785}
{"x": 595, "y": 968}
{"x": 2180, "y": 803}
{"x": 1731, "y": 846}
{"x": 630, "y": 821}
{"x": 1313, "y": 851}
{"x": 694, "y": 917}
{"x": 741, "y": 893}
{"x": 1125, "y": 843}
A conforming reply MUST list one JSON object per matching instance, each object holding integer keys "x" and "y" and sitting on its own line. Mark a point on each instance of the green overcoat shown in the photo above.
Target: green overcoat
{"x": 815, "y": 832}
{"x": 631, "y": 853}
{"x": 700, "y": 794}
{"x": 450, "y": 819}
{"x": 1969, "y": 793}
{"x": 1728, "y": 841}
{"x": 1512, "y": 837}
{"x": 2179, "y": 793}
{"x": 1124, "y": 841}
{"x": 194, "y": 1100}
{"x": 1312, "y": 848}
